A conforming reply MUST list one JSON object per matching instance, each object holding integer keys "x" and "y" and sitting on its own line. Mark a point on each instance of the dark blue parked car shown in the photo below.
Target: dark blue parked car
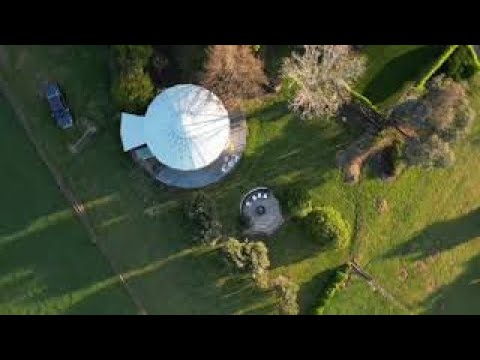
{"x": 58, "y": 107}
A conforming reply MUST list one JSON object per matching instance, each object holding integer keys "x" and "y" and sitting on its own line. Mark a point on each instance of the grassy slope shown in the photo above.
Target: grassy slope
{"x": 172, "y": 277}
{"x": 47, "y": 263}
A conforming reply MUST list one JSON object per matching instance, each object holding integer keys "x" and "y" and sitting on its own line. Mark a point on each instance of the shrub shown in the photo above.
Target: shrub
{"x": 461, "y": 65}
{"x": 132, "y": 87}
{"x": 248, "y": 256}
{"x": 200, "y": 211}
{"x": 429, "y": 153}
{"x": 257, "y": 255}
{"x": 295, "y": 200}
{"x": 335, "y": 283}
{"x": 132, "y": 91}
{"x": 287, "y": 292}
{"x": 327, "y": 226}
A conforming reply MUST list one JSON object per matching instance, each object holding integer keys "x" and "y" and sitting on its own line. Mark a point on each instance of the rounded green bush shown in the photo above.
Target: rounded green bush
{"x": 327, "y": 226}
{"x": 295, "y": 200}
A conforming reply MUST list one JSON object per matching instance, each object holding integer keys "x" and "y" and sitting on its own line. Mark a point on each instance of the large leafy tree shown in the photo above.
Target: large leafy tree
{"x": 439, "y": 119}
{"x": 322, "y": 77}
{"x": 233, "y": 72}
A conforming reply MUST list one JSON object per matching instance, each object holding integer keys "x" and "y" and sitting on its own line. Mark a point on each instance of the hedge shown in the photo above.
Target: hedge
{"x": 336, "y": 282}
{"x": 364, "y": 101}
{"x": 436, "y": 66}
{"x": 474, "y": 54}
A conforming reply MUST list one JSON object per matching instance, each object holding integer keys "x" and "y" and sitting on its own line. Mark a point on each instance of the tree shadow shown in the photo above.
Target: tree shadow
{"x": 185, "y": 62}
{"x": 441, "y": 236}
{"x": 276, "y": 110}
{"x": 283, "y": 150}
{"x": 273, "y": 57}
{"x": 461, "y": 297}
{"x": 63, "y": 268}
{"x": 291, "y": 244}
{"x": 399, "y": 71}
{"x": 194, "y": 281}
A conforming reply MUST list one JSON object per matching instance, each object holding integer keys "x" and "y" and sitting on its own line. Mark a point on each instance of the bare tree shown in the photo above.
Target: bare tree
{"x": 322, "y": 76}
{"x": 233, "y": 73}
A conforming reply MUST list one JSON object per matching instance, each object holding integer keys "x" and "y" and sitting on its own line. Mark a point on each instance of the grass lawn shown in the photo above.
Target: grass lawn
{"x": 47, "y": 263}
{"x": 169, "y": 275}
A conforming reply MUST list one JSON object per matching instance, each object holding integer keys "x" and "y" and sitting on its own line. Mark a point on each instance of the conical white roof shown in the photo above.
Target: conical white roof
{"x": 186, "y": 127}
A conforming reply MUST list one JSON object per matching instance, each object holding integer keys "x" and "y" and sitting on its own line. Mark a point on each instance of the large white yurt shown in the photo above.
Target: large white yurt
{"x": 186, "y": 127}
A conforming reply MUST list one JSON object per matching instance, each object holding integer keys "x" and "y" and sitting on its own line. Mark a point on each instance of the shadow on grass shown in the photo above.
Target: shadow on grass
{"x": 461, "y": 297}
{"x": 291, "y": 244}
{"x": 282, "y": 150}
{"x": 273, "y": 112}
{"x": 273, "y": 56}
{"x": 54, "y": 270}
{"x": 441, "y": 236}
{"x": 194, "y": 281}
{"x": 407, "y": 67}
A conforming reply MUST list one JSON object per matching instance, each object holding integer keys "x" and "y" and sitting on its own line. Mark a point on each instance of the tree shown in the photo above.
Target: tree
{"x": 233, "y": 73}
{"x": 132, "y": 87}
{"x": 429, "y": 152}
{"x": 133, "y": 90}
{"x": 200, "y": 210}
{"x": 133, "y": 56}
{"x": 322, "y": 77}
{"x": 257, "y": 255}
{"x": 248, "y": 256}
{"x": 451, "y": 116}
{"x": 327, "y": 226}
{"x": 438, "y": 119}
{"x": 287, "y": 292}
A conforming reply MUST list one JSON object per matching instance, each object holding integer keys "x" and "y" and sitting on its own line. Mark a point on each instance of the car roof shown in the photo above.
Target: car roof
{"x": 53, "y": 90}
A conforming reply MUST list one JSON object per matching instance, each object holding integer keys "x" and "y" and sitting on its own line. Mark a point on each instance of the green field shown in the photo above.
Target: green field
{"x": 47, "y": 263}
{"x": 433, "y": 210}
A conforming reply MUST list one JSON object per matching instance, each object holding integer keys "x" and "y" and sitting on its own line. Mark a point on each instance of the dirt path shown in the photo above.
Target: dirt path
{"x": 65, "y": 189}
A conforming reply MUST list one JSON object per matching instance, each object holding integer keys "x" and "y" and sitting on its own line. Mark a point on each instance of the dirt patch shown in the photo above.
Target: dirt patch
{"x": 352, "y": 159}
{"x": 382, "y": 205}
{"x": 403, "y": 276}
